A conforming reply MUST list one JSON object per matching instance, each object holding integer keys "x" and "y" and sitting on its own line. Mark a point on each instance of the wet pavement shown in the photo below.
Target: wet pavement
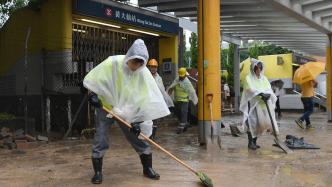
{"x": 67, "y": 163}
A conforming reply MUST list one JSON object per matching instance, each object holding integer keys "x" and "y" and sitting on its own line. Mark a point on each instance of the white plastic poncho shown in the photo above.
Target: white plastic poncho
{"x": 187, "y": 86}
{"x": 133, "y": 95}
{"x": 161, "y": 87}
{"x": 258, "y": 117}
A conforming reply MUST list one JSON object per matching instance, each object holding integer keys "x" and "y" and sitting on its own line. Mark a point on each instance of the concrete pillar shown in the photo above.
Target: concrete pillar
{"x": 329, "y": 77}
{"x": 208, "y": 68}
{"x": 237, "y": 78}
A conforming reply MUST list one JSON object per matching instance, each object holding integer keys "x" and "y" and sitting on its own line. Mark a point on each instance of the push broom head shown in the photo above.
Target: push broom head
{"x": 205, "y": 179}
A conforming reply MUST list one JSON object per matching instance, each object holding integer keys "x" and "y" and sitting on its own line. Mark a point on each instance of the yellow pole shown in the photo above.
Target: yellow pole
{"x": 56, "y": 20}
{"x": 208, "y": 66}
{"x": 329, "y": 77}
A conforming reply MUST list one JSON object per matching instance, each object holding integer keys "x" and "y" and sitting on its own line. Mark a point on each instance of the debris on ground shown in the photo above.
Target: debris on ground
{"x": 72, "y": 138}
{"x": 22, "y": 144}
{"x": 18, "y": 139}
{"x": 232, "y": 125}
{"x": 6, "y": 139}
{"x": 88, "y": 133}
{"x": 30, "y": 138}
{"x": 19, "y": 134}
{"x": 18, "y": 152}
{"x": 294, "y": 142}
{"x": 42, "y": 138}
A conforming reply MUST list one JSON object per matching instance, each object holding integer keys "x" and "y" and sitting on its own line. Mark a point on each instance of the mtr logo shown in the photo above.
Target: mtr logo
{"x": 108, "y": 12}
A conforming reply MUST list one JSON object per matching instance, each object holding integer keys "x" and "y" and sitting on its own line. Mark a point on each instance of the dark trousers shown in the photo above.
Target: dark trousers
{"x": 101, "y": 140}
{"x": 278, "y": 110}
{"x": 181, "y": 111}
{"x": 308, "y": 105}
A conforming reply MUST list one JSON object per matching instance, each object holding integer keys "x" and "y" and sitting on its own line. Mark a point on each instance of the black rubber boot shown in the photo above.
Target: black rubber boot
{"x": 255, "y": 142}
{"x": 154, "y": 131}
{"x": 97, "y": 167}
{"x": 147, "y": 167}
{"x": 251, "y": 144}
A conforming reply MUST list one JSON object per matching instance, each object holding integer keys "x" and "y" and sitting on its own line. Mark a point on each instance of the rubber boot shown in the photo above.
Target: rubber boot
{"x": 182, "y": 127}
{"x": 154, "y": 131}
{"x": 97, "y": 167}
{"x": 251, "y": 144}
{"x": 255, "y": 142}
{"x": 147, "y": 167}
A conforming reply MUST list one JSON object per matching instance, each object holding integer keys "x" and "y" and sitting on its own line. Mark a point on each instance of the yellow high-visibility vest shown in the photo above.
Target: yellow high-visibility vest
{"x": 181, "y": 94}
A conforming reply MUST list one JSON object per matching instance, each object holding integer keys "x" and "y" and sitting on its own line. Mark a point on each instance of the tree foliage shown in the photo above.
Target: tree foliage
{"x": 258, "y": 49}
{"x": 230, "y": 66}
{"x": 224, "y": 58}
{"x": 185, "y": 53}
{"x": 193, "y": 40}
{"x": 8, "y": 7}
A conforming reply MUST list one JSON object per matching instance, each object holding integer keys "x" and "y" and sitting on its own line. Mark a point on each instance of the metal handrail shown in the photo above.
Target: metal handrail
{"x": 320, "y": 95}
{"x": 296, "y": 92}
{"x": 316, "y": 93}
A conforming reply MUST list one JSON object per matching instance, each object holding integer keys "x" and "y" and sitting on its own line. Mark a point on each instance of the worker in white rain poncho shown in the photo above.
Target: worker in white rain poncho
{"x": 255, "y": 115}
{"x": 123, "y": 84}
{"x": 183, "y": 93}
{"x": 153, "y": 67}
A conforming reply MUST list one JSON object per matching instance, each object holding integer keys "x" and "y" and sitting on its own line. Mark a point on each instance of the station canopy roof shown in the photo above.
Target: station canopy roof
{"x": 299, "y": 25}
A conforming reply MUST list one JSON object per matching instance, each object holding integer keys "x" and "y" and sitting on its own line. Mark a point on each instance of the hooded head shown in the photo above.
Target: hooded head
{"x": 137, "y": 56}
{"x": 256, "y": 68}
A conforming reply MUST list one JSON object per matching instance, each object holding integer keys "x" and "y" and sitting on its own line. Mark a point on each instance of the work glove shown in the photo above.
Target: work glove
{"x": 94, "y": 100}
{"x": 135, "y": 128}
{"x": 264, "y": 96}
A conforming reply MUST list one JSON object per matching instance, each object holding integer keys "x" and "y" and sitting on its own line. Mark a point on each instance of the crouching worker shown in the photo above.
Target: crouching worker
{"x": 256, "y": 119}
{"x": 123, "y": 84}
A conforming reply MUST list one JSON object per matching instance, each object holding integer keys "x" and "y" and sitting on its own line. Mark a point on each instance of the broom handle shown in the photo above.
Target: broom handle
{"x": 123, "y": 122}
{"x": 212, "y": 122}
{"x": 271, "y": 119}
{"x": 210, "y": 97}
{"x": 211, "y": 114}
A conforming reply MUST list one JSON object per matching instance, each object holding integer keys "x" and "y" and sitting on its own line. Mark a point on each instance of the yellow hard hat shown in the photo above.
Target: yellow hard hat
{"x": 182, "y": 72}
{"x": 153, "y": 62}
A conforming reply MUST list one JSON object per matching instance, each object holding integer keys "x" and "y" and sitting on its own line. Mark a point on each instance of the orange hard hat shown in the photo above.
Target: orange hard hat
{"x": 153, "y": 62}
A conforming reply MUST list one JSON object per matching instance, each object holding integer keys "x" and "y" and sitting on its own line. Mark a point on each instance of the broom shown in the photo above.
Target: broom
{"x": 206, "y": 181}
